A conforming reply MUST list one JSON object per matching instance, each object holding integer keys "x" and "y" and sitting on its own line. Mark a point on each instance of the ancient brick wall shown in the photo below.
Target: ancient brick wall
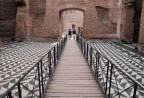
{"x": 141, "y": 38}
{"x": 1, "y": 43}
{"x": 43, "y": 18}
{"x": 21, "y": 29}
{"x": 127, "y": 14}
{"x": 30, "y": 18}
{"x": 7, "y": 19}
{"x": 94, "y": 26}
{"x": 51, "y": 27}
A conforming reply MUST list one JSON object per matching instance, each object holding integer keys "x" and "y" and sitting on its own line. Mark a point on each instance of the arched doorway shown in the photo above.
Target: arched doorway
{"x": 71, "y": 19}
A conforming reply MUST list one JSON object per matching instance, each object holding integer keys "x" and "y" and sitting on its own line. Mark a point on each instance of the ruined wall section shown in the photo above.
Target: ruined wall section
{"x": 7, "y": 19}
{"x": 30, "y": 18}
{"x": 37, "y": 14}
{"x": 21, "y": 27}
{"x": 141, "y": 38}
{"x": 52, "y": 25}
{"x": 97, "y": 20}
{"x": 41, "y": 18}
{"x": 1, "y": 42}
{"x": 51, "y": 20}
{"x": 127, "y": 23}
{"x": 127, "y": 14}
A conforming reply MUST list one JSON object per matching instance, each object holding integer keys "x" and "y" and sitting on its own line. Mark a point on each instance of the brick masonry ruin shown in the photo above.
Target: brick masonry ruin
{"x": 41, "y": 18}
{"x": 7, "y": 18}
{"x": 100, "y": 18}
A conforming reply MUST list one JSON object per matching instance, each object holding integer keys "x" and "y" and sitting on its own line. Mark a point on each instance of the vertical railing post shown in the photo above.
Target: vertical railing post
{"x": 61, "y": 45}
{"x": 97, "y": 64}
{"x": 54, "y": 55}
{"x": 10, "y": 94}
{"x": 110, "y": 81}
{"x": 135, "y": 90}
{"x": 84, "y": 48}
{"x": 87, "y": 51}
{"x": 50, "y": 65}
{"x": 81, "y": 44}
{"x": 78, "y": 38}
{"x": 57, "y": 50}
{"x": 107, "y": 76}
{"x": 39, "y": 81}
{"x": 42, "y": 79}
{"x": 19, "y": 91}
{"x": 91, "y": 56}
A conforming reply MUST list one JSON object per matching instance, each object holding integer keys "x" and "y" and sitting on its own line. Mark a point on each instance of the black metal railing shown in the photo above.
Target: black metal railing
{"x": 33, "y": 83}
{"x": 114, "y": 81}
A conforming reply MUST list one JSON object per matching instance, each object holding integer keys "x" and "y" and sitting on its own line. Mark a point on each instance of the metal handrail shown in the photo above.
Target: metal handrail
{"x": 56, "y": 50}
{"x": 92, "y": 54}
{"x": 112, "y": 62}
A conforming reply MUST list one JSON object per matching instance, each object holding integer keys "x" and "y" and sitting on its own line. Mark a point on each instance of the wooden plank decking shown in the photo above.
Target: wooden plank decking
{"x": 72, "y": 77}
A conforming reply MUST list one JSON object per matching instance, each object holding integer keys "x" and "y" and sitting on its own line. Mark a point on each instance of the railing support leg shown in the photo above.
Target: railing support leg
{"x": 57, "y": 51}
{"x": 54, "y": 56}
{"x": 107, "y": 77}
{"x": 84, "y": 48}
{"x": 135, "y": 90}
{"x": 50, "y": 72}
{"x": 97, "y": 65}
{"x": 110, "y": 81}
{"x": 91, "y": 59}
{"x": 42, "y": 76}
{"x": 39, "y": 81}
{"x": 87, "y": 51}
{"x": 10, "y": 94}
{"x": 19, "y": 91}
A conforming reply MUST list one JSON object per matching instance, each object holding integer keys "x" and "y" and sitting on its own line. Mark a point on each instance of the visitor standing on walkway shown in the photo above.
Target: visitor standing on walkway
{"x": 69, "y": 33}
{"x": 74, "y": 34}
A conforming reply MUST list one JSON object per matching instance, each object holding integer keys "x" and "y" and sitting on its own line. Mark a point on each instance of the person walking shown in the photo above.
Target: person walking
{"x": 74, "y": 34}
{"x": 69, "y": 33}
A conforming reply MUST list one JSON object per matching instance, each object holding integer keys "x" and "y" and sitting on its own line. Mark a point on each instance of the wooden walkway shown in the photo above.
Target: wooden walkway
{"x": 72, "y": 77}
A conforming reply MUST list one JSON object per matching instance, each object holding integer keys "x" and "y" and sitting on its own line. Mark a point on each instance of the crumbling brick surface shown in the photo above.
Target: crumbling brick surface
{"x": 141, "y": 38}
{"x": 42, "y": 18}
{"x": 1, "y": 43}
{"x": 7, "y": 18}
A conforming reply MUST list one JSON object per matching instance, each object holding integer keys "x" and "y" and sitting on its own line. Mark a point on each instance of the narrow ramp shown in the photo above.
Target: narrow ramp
{"x": 72, "y": 77}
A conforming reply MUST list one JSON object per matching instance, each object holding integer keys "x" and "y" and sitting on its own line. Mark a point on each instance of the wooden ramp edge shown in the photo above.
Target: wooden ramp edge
{"x": 72, "y": 77}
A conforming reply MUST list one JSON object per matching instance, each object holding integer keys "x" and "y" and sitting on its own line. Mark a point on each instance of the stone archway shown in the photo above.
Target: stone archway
{"x": 71, "y": 7}
{"x": 71, "y": 19}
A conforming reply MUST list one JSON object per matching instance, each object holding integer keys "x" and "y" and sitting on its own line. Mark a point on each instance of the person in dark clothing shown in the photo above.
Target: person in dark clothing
{"x": 74, "y": 34}
{"x": 70, "y": 33}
